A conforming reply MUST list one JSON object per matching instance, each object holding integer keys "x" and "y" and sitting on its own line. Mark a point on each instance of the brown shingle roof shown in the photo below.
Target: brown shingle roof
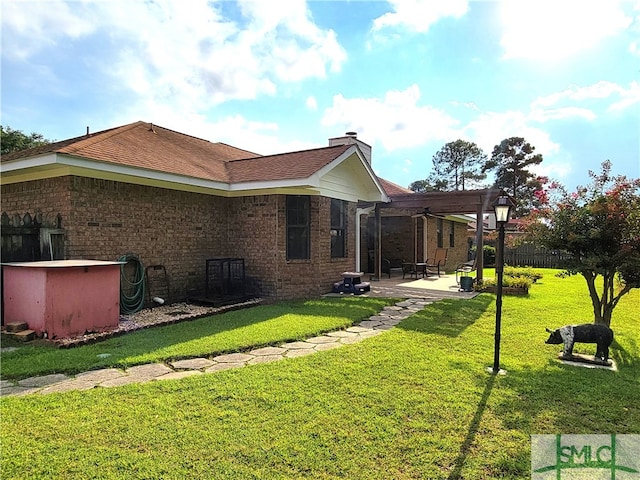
{"x": 143, "y": 145}
{"x": 284, "y": 166}
{"x": 393, "y": 189}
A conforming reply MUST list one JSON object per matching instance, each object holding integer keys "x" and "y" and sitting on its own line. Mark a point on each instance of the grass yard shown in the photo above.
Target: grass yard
{"x": 230, "y": 332}
{"x": 414, "y": 402}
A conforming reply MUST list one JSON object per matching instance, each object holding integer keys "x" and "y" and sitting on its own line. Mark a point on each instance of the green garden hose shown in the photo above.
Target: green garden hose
{"x": 132, "y": 287}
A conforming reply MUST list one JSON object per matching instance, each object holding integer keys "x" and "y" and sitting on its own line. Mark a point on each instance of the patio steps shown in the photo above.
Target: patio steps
{"x": 18, "y": 331}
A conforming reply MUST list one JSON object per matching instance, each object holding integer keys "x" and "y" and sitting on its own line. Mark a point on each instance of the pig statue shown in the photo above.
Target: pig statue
{"x": 585, "y": 333}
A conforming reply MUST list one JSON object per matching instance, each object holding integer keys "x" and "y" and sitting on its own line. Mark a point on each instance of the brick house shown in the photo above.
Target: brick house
{"x": 176, "y": 200}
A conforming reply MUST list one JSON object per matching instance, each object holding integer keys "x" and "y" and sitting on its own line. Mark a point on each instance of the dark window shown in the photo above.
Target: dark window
{"x": 298, "y": 227}
{"x": 452, "y": 240}
{"x": 338, "y": 228}
{"x": 439, "y": 228}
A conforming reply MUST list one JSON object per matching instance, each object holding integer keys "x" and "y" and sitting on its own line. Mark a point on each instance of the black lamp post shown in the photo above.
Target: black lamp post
{"x": 502, "y": 209}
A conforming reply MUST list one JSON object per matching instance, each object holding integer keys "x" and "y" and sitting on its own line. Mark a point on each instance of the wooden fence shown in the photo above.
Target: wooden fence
{"x": 27, "y": 238}
{"x": 530, "y": 255}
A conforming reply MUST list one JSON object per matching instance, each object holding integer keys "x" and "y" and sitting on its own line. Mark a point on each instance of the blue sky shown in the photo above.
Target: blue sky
{"x": 407, "y": 75}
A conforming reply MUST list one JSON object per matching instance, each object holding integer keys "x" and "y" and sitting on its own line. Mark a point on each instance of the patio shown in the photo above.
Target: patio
{"x": 431, "y": 287}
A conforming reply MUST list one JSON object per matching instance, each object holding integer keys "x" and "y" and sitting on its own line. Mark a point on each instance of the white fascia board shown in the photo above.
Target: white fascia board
{"x": 25, "y": 163}
{"x": 354, "y": 149}
{"x": 460, "y": 218}
{"x": 53, "y": 160}
{"x": 262, "y": 185}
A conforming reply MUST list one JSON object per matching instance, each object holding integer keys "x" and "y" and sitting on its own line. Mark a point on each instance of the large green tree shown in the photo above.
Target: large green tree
{"x": 428, "y": 185}
{"x": 511, "y": 160}
{"x": 459, "y": 165}
{"x": 599, "y": 225}
{"x": 13, "y": 140}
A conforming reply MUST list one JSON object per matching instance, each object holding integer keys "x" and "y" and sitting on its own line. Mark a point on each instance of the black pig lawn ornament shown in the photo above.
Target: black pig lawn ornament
{"x": 586, "y": 333}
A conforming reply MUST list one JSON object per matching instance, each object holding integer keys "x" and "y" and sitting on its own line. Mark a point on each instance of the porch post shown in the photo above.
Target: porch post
{"x": 377, "y": 242}
{"x": 359, "y": 213}
{"x": 479, "y": 243}
{"x": 424, "y": 238}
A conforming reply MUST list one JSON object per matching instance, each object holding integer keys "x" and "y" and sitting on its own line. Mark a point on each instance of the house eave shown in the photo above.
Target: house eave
{"x": 54, "y": 165}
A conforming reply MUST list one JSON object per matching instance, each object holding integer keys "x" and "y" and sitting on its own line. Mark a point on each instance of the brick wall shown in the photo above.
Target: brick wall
{"x": 105, "y": 220}
{"x": 399, "y": 236}
{"x": 48, "y": 197}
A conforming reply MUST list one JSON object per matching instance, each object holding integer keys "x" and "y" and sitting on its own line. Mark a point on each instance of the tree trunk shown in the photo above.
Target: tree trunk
{"x": 602, "y": 305}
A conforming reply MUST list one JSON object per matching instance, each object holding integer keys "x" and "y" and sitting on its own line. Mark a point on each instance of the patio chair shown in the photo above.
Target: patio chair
{"x": 392, "y": 266}
{"x": 439, "y": 259}
{"x": 464, "y": 269}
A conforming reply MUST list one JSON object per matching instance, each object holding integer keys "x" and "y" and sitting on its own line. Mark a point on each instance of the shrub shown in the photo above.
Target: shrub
{"x": 528, "y": 272}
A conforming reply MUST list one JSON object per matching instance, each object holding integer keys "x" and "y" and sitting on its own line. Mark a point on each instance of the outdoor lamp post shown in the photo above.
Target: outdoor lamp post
{"x": 502, "y": 209}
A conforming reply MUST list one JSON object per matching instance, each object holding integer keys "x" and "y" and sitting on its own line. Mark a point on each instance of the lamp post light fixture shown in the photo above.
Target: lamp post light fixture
{"x": 502, "y": 208}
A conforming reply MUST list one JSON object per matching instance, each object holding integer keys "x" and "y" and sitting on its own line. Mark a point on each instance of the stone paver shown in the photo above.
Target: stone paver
{"x": 342, "y": 334}
{"x": 328, "y": 346}
{"x": 120, "y": 381}
{"x": 351, "y": 340}
{"x": 69, "y": 385}
{"x": 268, "y": 351}
{"x": 218, "y": 367}
{"x": 371, "y": 323}
{"x": 264, "y": 359}
{"x": 149, "y": 371}
{"x": 192, "y": 364}
{"x": 43, "y": 381}
{"x": 233, "y": 358}
{"x": 298, "y": 346}
{"x": 321, "y": 339}
{"x": 101, "y": 375}
{"x": 18, "y": 391}
{"x": 112, "y": 377}
{"x": 6, "y": 384}
{"x": 301, "y": 352}
{"x": 357, "y": 329}
{"x": 178, "y": 375}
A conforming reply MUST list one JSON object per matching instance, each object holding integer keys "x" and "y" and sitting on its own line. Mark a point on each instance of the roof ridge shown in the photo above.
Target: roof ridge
{"x": 288, "y": 153}
{"x": 256, "y": 155}
{"x": 97, "y": 137}
{"x": 60, "y": 145}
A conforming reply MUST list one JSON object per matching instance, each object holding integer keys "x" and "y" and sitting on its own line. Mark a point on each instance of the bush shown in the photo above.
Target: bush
{"x": 508, "y": 281}
{"x": 528, "y": 272}
{"x": 488, "y": 256}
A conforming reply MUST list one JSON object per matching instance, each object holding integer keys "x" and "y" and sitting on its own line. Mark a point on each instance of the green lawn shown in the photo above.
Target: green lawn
{"x": 415, "y": 402}
{"x": 230, "y": 332}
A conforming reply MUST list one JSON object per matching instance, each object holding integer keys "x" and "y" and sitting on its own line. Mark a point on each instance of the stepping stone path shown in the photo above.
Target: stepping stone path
{"x": 112, "y": 377}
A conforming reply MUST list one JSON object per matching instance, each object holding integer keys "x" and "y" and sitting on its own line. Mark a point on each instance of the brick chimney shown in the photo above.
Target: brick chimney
{"x": 351, "y": 138}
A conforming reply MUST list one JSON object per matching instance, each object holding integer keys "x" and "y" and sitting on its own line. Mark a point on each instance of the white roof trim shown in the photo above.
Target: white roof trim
{"x": 53, "y": 160}
{"x": 348, "y": 153}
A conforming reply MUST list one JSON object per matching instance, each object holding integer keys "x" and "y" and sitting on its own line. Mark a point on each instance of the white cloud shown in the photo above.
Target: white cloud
{"x": 185, "y": 53}
{"x": 629, "y": 97}
{"x": 573, "y": 101}
{"x": 419, "y": 15}
{"x": 311, "y": 103}
{"x": 490, "y": 128}
{"x": 395, "y": 121}
{"x": 554, "y": 30}
{"x": 562, "y": 114}
{"x": 28, "y": 27}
